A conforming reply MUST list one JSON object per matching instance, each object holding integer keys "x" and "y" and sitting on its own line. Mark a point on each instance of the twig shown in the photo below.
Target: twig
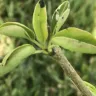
{"x": 70, "y": 71}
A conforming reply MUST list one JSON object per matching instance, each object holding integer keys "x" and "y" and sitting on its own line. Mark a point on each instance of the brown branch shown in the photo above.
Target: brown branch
{"x": 70, "y": 71}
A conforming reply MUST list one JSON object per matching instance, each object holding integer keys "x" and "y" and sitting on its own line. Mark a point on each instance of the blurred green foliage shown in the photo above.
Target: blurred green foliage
{"x": 39, "y": 75}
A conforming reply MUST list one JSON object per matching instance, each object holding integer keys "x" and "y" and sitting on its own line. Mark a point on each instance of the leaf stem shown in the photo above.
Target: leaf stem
{"x": 41, "y": 51}
{"x": 37, "y": 43}
{"x": 70, "y": 71}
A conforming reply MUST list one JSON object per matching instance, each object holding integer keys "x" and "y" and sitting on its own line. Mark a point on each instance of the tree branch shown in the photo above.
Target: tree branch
{"x": 70, "y": 71}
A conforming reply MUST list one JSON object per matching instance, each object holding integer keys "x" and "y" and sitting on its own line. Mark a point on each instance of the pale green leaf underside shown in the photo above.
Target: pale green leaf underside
{"x": 78, "y": 34}
{"x": 39, "y": 22}
{"x": 74, "y": 45}
{"x": 91, "y": 88}
{"x": 60, "y": 15}
{"x": 16, "y": 30}
{"x": 14, "y": 58}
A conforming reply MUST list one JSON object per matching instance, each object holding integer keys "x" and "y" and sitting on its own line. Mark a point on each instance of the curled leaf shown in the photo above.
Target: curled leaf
{"x": 74, "y": 45}
{"x": 16, "y": 30}
{"x": 40, "y": 21}
{"x": 78, "y": 34}
{"x": 60, "y": 15}
{"x": 14, "y": 58}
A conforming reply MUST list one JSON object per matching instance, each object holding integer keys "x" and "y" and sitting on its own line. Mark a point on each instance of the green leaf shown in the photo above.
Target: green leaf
{"x": 16, "y": 30}
{"x": 94, "y": 32}
{"x": 74, "y": 45}
{"x": 78, "y": 34}
{"x": 60, "y": 15}
{"x": 40, "y": 21}
{"x": 14, "y": 58}
{"x": 91, "y": 88}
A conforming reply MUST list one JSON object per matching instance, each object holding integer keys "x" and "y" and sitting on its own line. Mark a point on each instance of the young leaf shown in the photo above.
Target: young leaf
{"x": 14, "y": 58}
{"x": 16, "y": 30}
{"x": 74, "y": 45}
{"x": 60, "y": 15}
{"x": 40, "y": 21}
{"x": 91, "y": 88}
{"x": 78, "y": 34}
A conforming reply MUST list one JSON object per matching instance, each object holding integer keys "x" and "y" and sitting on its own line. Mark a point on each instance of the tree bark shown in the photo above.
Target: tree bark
{"x": 70, "y": 71}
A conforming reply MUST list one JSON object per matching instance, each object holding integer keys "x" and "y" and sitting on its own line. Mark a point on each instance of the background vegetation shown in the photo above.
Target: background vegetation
{"x": 39, "y": 75}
